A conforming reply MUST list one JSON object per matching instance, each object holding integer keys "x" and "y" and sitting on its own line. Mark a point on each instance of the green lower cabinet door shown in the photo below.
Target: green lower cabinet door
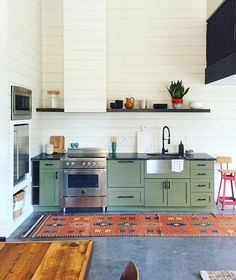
{"x": 178, "y": 192}
{"x": 125, "y": 196}
{"x": 49, "y": 188}
{"x": 155, "y": 192}
{"x": 126, "y": 173}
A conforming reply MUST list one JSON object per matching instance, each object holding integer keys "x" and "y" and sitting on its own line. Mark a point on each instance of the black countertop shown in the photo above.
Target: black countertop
{"x": 125, "y": 156}
{"x": 44, "y": 156}
{"x": 137, "y": 156}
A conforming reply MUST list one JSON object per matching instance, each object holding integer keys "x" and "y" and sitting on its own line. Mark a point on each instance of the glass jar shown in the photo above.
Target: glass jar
{"x": 53, "y": 96}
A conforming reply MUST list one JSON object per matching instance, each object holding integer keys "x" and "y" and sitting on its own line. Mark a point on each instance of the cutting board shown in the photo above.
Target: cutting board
{"x": 144, "y": 141}
{"x": 58, "y": 143}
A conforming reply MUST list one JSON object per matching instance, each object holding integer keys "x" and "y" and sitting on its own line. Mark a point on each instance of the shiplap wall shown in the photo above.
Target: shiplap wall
{"x": 85, "y": 49}
{"x": 52, "y": 50}
{"x": 212, "y": 5}
{"x": 5, "y": 192}
{"x": 151, "y": 43}
{"x": 22, "y": 50}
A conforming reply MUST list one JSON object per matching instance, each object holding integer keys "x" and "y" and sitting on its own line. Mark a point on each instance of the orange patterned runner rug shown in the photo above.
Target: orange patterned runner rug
{"x": 149, "y": 225}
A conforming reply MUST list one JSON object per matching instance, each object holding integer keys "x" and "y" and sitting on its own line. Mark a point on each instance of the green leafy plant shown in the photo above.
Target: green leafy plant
{"x": 176, "y": 90}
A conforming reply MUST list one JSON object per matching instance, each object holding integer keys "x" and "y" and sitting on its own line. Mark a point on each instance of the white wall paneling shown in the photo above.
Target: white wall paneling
{"x": 85, "y": 53}
{"x": 5, "y": 191}
{"x": 212, "y": 5}
{"x": 20, "y": 65}
{"x": 52, "y": 50}
{"x": 149, "y": 44}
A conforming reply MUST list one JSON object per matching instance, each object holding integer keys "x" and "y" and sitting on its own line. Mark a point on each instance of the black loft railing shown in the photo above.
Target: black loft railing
{"x": 221, "y": 32}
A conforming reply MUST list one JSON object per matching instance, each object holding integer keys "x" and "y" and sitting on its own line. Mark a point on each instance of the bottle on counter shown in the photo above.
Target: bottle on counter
{"x": 181, "y": 149}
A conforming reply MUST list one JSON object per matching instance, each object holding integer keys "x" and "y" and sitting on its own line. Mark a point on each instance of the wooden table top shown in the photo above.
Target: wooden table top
{"x": 45, "y": 260}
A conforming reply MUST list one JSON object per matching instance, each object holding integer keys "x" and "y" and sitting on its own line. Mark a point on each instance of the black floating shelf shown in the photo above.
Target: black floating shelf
{"x": 135, "y": 110}
{"x": 49, "y": 109}
{"x": 161, "y": 110}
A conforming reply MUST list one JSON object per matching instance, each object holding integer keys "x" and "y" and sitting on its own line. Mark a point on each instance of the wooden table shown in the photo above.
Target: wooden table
{"x": 45, "y": 260}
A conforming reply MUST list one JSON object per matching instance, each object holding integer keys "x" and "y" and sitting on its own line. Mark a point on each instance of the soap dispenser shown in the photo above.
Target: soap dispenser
{"x": 181, "y": 149}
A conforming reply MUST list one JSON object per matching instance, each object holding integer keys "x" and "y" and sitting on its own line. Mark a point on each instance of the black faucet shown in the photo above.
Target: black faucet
{"x": 163, "y": 139}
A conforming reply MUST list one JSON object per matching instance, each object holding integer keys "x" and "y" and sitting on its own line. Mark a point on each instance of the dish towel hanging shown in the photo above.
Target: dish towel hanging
{"x": 177, "y": 165}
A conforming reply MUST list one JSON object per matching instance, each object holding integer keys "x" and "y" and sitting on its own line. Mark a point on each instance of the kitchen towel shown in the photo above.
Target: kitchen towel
{"x": 177, "y": 165}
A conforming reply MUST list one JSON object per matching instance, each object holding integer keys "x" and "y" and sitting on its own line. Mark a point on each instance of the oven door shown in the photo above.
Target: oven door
{"x": 82, "y": 182}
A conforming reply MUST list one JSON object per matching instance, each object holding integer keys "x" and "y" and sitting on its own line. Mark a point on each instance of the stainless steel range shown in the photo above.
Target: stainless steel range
{"x": 84, "y": 178}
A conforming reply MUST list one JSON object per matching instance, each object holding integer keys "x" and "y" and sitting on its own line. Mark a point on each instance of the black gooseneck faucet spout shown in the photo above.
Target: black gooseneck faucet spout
{"x": 163, "y": 139}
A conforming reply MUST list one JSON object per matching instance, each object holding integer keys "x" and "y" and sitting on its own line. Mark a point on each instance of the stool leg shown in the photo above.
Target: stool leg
{"x": 223, "y": 197}
{"x": 232, "y": 189}
{"x": 219, "y": 190}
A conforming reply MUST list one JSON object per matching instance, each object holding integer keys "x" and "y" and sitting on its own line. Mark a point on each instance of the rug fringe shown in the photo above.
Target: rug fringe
{"x": 28, "y": 232}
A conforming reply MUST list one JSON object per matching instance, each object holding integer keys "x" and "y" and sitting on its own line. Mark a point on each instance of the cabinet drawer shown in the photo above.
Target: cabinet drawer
{"x": 50, "y": 164}
{"x": 125, "y": 197}
{"x": 202, "y": 185}
{"x": 202, "y": 164}
{"x": 199, "y": 174}
{"x": 202, "y": 199}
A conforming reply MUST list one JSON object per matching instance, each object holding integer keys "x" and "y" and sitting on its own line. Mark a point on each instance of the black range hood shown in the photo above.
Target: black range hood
{"x": 221, "y": 44}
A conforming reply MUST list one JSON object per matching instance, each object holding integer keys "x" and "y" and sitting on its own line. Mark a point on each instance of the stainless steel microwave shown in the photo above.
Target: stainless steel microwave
{"x": 21, "y": 103}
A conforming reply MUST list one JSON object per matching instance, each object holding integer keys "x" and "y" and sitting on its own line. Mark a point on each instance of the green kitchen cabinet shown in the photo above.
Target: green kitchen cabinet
{"x": 167, "y": 192}
{"x": 125, "y": 183}
{"x": 202, "y": 183}
{"x": 49, "y": 183}
{"x": 126, "y": 173}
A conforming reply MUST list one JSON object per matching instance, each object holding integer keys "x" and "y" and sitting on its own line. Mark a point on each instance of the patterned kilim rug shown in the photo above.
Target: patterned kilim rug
{"x": 218, "y": 275}
{"x": 194, "y": 225}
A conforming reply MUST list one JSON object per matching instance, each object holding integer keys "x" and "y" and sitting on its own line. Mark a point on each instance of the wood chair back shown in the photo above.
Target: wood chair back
{"x": 130, "y": 272}
{"x": 224, "y": 162}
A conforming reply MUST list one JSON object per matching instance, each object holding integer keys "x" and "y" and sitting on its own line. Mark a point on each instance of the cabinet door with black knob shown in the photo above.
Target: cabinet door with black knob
{"x": 49, "y": 181}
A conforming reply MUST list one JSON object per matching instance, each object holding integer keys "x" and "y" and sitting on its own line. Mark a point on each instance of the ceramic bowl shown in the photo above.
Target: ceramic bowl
{"x": 113, "y": 105}
{"x": 195, "y": 105}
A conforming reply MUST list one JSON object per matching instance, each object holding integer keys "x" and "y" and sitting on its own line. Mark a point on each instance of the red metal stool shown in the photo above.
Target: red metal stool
{"x": 226, "y": 175}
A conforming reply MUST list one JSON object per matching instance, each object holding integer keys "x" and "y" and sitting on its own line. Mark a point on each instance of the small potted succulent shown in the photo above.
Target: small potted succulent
{"x": 177, "y": 93}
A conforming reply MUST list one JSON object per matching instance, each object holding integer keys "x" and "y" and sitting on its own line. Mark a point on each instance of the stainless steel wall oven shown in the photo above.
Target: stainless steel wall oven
{"x": 21, "y": 103}
{"x": 21, "y": 152}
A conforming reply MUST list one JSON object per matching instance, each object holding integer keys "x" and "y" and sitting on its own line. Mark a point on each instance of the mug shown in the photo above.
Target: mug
{"x": 49, "y": 149}
{"x": 143, "y": 104}
{"x": 74, "y": 145}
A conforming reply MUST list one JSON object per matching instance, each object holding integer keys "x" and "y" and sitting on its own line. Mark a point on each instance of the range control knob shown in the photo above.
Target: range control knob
{"x": 83, "y": 163}
{"x": 67, "y": 163}
{"x": 88, "y": 164}
{"x": 83, "y": 192}
{"x": 94, "y": 164}
{"x": 99, "y": 163}
{"x": 72, "y": 164}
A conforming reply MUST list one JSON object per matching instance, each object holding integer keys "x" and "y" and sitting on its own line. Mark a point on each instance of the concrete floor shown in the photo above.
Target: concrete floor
{"x": 163, "y": 258}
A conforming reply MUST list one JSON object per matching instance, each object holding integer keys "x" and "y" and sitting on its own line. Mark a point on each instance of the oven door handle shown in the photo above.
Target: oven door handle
{"x": 82, "y": 171}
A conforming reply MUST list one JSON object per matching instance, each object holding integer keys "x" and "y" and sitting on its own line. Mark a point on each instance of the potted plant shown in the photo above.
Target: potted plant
{"x": 177, "y": 93}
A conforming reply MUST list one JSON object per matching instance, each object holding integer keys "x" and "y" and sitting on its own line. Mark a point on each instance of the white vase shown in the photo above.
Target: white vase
{"x": 177, "y": 105}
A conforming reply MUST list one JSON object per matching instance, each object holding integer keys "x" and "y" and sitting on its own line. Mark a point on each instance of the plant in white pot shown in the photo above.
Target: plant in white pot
{"x": 177, "y": 93}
